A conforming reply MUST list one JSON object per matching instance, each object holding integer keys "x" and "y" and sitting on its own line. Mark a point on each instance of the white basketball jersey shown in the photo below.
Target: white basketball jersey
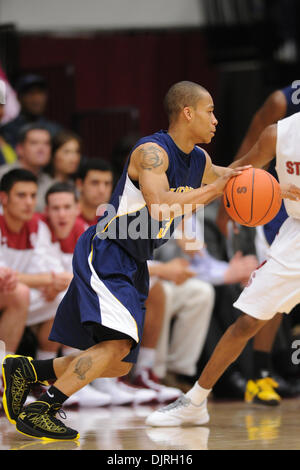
{"x": 288, "y": 158}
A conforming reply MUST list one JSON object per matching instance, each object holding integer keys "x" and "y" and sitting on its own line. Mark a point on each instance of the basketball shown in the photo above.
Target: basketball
{"x": 252, "y": 198}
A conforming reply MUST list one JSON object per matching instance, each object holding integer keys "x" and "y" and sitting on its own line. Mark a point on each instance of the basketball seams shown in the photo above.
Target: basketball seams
{"x": 271, "y": 203}
{"x": 232, "y": 197}
{"x": 252, "y": 195}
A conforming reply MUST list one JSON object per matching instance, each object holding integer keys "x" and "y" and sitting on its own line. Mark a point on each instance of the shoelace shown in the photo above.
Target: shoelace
{"x": 48, "y": 420}
{"x": 179, "y": 403}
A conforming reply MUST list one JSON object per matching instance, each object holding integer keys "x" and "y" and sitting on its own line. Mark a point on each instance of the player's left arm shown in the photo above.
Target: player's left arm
{"x": 263, "y": 153}
{"x": 213, "y": 172}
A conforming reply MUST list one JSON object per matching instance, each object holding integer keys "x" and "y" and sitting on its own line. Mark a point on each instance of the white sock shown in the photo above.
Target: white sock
{"x": 145, "y": 360}
{"x": 197, "y": 394}
{"x": 41, "y": 355}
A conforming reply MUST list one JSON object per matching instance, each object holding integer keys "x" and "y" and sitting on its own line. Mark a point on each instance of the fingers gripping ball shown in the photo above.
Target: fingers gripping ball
{"x": 252, "y": 198}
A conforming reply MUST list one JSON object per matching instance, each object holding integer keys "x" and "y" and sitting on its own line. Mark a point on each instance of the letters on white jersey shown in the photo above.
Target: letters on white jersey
{"x": 288, "y": 158}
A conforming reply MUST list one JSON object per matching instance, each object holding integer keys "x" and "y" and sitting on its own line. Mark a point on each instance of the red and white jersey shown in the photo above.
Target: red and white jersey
{"x": 66, "y": 246}
{"x": 288, "y": 158}
{"x": 29, "y": 251}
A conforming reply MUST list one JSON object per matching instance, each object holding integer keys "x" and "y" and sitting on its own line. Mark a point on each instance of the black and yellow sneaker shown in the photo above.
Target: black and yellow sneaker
{"x": 18, "y": 375}
{"x": 38, "y": 420}
{"x": 262, "y": 391}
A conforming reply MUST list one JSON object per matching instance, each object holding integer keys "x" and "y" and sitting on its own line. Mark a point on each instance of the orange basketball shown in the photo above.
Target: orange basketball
{"x": 252, "y": 198}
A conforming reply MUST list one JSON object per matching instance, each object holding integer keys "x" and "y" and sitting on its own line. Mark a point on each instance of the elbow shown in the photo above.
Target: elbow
{"x": 164, "y": 211}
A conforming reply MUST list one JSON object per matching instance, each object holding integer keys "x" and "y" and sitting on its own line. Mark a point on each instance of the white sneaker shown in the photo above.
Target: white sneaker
{"x": 111, "y": 386}
{"x": 181, "y": 411}
{"x": 139, "y": 395}
{"x": 88, "y": 396}
{"x": 147, "y": 379}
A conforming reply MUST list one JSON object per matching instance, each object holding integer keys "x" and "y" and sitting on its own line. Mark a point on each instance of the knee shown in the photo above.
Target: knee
{"x": 19, "y": 300}
{"x": 118, "y": 349}
{"x": 21, "y": 295}
{"x": 246, "y": 326}
{"x": 201, "y": 292}
{"x": 124, "y": 369}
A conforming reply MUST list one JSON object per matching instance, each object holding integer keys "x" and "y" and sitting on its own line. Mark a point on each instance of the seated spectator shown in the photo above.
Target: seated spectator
{"x": 66, "y": 156}
{"x": 32, "y": 93}
{"x": 7, "y": 153}
{"x": 14, "y": 303}
{"x": 26, "y": 248}
{"x": 34, "y": 151}
{"x": 94, "y": 182}
{"x": 188, "y": 306}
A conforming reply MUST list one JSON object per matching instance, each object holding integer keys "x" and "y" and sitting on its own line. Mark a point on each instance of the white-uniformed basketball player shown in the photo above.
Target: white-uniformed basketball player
{"x": 275, "y": 287}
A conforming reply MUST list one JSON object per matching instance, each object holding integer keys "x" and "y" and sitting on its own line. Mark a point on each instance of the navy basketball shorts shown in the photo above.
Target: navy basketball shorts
{"x": 106, "y": 298}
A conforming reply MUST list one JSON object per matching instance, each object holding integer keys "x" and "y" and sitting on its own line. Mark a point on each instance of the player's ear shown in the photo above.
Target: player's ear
{"x": 3, "y": 198}
{"x": 187, "y": 111}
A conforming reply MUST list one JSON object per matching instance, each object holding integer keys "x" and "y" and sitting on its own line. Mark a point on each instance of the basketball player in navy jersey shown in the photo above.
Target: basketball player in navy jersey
{"x": 278, "y": 105}
{"x": 103, "y": 310}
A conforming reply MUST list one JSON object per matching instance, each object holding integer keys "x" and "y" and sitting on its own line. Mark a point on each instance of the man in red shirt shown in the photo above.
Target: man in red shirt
{"x": 26, "y": 248}
{"x": 95, "y": 184}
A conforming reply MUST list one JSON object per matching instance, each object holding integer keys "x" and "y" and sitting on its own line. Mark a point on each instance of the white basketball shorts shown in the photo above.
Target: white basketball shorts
{"x": 275, "y": 286}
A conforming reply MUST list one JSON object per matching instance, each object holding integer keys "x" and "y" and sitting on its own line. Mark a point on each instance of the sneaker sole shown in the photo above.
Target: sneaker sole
{"x": 202, "y": 421}
{"x": 257, "y": 401}
{"x": 5, "y": 366}
{"x": 22, "y": 428}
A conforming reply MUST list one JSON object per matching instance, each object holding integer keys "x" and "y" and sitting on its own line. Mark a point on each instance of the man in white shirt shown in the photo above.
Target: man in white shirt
{"x": 27, "y": 249}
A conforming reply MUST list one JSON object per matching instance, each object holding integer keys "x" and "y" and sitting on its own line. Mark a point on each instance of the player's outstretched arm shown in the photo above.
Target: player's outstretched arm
{"x": 263, "y": 151}
{"x": 148, "y": 166}
{"x": 272, "y": 110}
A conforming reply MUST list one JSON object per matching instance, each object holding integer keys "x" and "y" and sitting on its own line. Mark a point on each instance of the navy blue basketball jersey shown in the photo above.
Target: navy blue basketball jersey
{"x": 292, "y": 96}
{"x": 127, "y": 220}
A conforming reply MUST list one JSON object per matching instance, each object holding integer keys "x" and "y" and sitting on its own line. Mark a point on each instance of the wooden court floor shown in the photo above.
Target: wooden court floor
{"x": 233, "y": 426}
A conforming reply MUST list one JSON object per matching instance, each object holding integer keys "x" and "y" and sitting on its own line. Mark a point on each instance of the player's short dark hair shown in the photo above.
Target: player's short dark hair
{"x": 61, "y": 187}
{"x": 16, "y": 176}
{"x": 182, "y": 94}
{"x": 23, "y": 132}
{"x": 96, "y": 164}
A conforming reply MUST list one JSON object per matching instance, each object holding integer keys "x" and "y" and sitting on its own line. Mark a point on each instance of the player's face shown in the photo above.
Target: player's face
{"x": 20, "y": 202}
{"x": 62, "y": 210}
{"x": 203, "y": 120}
{"x": 67, "y": 158}
{"x": 35, "y": 151}
{"x": 97, "y": 187}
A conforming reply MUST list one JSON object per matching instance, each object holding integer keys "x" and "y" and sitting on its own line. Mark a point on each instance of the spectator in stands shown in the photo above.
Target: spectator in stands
{"x": 7, "y": 153}
{"x": 34, "y": 152}
{"x": 66, "y": 156}
{"x": 26, "y": 247}
{"x": 94, "y": 182}
{"x": 14, "y": 303}
{"x": 32, "y": 93}
{"x": 188, "y": 305}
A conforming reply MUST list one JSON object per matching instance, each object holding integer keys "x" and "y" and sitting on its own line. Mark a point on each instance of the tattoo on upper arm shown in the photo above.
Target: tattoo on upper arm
{"x": 151, "y": 157}
{"x": 82, "y": 366}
